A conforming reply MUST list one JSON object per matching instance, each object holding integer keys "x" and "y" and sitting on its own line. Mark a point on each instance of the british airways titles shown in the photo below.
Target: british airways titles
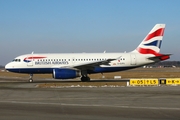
{"x": 51, "y": 62}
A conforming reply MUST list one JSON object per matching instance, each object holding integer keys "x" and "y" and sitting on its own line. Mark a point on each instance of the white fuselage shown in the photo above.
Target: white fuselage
{"x": 44, "y": 63}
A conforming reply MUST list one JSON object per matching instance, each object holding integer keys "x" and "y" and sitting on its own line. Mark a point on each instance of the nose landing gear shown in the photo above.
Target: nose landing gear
{"x": 31, "y": 78}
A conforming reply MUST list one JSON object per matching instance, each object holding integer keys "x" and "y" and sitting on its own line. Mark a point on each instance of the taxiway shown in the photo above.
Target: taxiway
{"x": 22, "y": 100}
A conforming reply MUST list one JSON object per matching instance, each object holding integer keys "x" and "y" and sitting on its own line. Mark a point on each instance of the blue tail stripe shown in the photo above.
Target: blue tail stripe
{"x": 156, "y": 43}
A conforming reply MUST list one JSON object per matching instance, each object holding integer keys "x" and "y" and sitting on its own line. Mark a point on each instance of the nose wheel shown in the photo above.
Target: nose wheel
{"x": 31, "y": 78}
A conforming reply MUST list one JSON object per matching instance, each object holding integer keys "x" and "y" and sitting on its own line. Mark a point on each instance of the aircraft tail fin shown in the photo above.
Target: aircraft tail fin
{"x": 151, "y": 44}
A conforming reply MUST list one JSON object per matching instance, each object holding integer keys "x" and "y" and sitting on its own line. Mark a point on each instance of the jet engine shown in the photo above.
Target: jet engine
{"x": 65, "y": 73}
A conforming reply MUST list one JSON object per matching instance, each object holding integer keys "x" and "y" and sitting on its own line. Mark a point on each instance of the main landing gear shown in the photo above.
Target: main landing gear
{"x": 31, "y": 78}
{"x": 84, "y": 77}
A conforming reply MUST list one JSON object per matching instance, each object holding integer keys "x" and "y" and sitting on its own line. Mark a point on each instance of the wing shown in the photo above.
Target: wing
{"x": 91, "y": 65}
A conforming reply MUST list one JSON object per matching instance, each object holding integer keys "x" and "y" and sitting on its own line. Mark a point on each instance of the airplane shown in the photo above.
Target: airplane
{"x": 73, "y": 65}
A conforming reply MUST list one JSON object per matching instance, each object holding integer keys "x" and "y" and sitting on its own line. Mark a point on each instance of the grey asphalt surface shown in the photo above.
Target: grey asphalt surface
{"x": 24, "y": 101}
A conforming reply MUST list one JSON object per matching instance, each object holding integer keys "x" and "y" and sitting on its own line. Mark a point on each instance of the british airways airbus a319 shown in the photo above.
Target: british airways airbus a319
{"x": 72, "y": 65}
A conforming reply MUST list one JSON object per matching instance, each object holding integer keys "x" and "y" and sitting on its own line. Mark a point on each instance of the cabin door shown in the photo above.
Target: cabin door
{"x": 133, "y": 59}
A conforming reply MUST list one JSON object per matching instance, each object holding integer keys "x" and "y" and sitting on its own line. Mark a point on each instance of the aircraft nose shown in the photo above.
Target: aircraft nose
{"x": 8, "y": 66}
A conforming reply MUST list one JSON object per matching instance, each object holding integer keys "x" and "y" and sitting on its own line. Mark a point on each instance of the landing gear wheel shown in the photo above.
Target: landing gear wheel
{"x": 30, "y": 80}
{"x": 85, "y": 79}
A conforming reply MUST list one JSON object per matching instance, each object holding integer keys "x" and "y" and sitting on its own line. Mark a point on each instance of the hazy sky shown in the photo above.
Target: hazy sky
{"x": 47, "y": 26}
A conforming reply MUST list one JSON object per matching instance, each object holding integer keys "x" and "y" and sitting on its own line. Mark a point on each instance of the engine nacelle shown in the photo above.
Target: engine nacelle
{"x": 65, "y": 73}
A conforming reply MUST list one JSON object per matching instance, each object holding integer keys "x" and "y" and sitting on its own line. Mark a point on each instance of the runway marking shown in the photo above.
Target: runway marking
{"x": 90, "y": 105}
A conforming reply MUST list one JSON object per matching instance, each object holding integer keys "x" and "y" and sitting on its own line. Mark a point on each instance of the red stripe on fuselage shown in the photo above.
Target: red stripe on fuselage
{"x": 34, "y": 57}
{"x": 158, "y": 32}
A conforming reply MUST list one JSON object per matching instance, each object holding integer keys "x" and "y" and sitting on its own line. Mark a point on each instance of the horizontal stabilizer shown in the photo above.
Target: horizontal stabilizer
{"x": 160, "y": 57}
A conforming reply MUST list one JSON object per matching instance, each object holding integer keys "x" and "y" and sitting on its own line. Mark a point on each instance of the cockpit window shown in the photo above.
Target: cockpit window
{"x": 17, "y": 60}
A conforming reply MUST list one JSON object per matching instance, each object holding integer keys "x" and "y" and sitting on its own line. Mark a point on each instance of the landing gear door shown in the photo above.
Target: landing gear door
{"x": 133, "y": 59}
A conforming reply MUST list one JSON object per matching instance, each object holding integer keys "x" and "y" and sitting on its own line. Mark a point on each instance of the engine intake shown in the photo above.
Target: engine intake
{"x": 65, "y": 73}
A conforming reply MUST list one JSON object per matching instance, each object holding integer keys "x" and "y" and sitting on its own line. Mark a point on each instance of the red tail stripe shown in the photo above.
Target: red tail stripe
{"x": 148, "y": 51}
{"x": 158, "y": 32}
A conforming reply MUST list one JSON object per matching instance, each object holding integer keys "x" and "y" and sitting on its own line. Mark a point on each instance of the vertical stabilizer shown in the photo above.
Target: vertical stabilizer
{"x": 152, "y": 42}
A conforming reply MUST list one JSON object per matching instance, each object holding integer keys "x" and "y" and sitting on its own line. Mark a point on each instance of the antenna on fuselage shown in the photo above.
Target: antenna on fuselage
{"x": 32, "y": 52}
{"x": 105, "y": 51}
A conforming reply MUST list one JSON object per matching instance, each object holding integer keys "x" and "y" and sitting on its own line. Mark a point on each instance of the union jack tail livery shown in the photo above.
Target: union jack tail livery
{"x": 152, "y": 42}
